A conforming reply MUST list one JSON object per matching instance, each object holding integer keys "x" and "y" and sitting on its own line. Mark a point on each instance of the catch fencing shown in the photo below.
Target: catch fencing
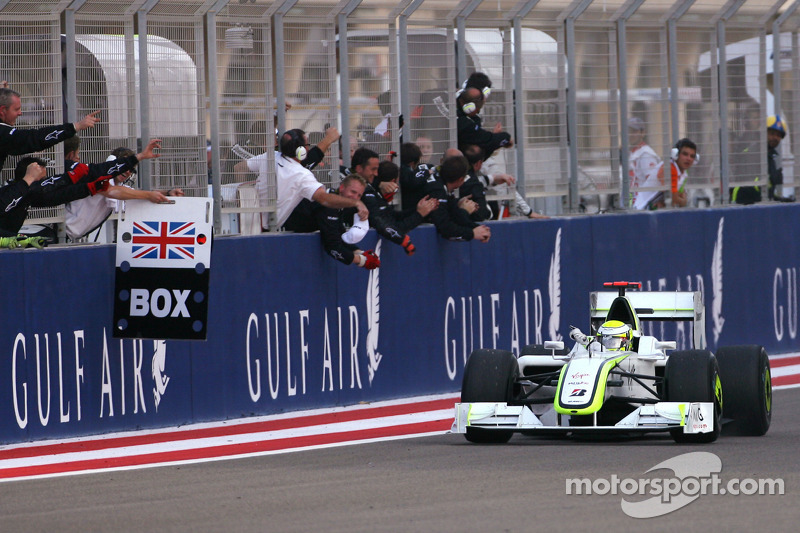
{"x": 216, "y": 78}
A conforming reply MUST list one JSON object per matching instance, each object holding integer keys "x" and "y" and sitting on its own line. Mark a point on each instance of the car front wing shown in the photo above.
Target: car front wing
{"x": 693, "y": 417}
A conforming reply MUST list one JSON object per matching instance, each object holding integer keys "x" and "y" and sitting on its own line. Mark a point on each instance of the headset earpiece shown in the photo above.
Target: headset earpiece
{"x": 468, "y": 108}
{"x": 296, "y": 145}
{"x": 486, "y": 91}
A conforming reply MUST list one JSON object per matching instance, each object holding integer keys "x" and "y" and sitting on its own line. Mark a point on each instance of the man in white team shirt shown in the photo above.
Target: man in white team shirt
{"x": 295, "y": 182}
{"x": 642, "y": 160}
{"x": 87, "y": 214}
{"x": 682, "y": 157}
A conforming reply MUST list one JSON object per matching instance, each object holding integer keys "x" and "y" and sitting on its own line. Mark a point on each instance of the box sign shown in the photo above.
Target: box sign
{"x": 162, "y": 270}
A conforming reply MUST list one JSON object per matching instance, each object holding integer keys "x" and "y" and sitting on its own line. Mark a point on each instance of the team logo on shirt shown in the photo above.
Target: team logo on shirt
{"x": 53, "y": 135}
{"x": 393, "y": 232}
{"x": 13, "y": 204}
{"x": 116, "y": 168}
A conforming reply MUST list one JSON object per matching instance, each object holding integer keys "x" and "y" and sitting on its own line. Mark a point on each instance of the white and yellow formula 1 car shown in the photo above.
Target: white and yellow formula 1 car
{"x": 617, "y": 380}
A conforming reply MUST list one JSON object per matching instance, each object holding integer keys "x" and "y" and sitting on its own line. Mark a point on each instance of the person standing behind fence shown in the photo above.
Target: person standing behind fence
{"x": 470, "y": 124}
{"x": 86, "y": 214}
{"x": 682, "y": 157}
{"x": 32, "y": 188}
{"x": 451, "y": 220}
{"x": 295, "y": 182}
{"x": 339, "y": 241}
{"x": 413, "y": 176}
{"x": 469, "y": 102}
{"x": 642, "y": 160}
{"x": 18, "y": 141}
{"x": 426, "y": 148}
{"x": 776, "y": 131}
{"x": 476, "y": 184}
{"x": 389, "y": 223}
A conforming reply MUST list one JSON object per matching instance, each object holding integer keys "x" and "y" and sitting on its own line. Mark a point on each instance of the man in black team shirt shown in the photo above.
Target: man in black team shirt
{"x": 451, "y": 220}
{"x": 18, "y": 141}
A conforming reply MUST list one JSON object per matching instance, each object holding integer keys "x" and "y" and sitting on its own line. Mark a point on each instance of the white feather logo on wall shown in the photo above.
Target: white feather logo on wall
{"x": 716, "y": 283}
{"x": 554, "y": 288}
{"x": 373, "y": 316}
{"x": 157, "y": 366}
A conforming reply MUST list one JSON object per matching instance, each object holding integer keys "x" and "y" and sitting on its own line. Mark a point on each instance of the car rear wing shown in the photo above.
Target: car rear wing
{"x": 651, "y": 306}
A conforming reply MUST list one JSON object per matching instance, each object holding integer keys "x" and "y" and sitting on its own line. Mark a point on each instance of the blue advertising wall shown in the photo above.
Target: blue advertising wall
{"x": 291, "y": 329}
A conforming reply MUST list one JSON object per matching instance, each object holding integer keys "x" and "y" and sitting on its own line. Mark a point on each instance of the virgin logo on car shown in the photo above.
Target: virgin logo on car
{"x": 580, "y": 375}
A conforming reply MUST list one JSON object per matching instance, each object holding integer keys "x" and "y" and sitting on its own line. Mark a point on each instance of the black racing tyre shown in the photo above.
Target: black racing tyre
{"x": 745, "y": 374}
{"x": 489, "y": 376}
{"x": 693, "y": 376}
{"x": 539, "y": 349}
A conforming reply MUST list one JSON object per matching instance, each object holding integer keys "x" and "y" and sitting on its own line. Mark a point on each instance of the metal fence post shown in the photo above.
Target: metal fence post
{"x": 724, "y": 130}
{"x": 211, "y": 44}
{"x": 568, "y": 18}
{"x": 344, "y": 75}
{"x": 144, "y": 90}
{"x": 69, "y": 50}
{"x": 622, "y": 60}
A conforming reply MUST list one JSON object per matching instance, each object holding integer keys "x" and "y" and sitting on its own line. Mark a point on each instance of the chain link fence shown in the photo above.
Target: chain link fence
{"x": 215, "y": 79}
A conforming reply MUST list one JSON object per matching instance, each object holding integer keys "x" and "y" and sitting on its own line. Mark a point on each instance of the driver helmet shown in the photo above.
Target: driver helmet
{"x": 615, "y": 335}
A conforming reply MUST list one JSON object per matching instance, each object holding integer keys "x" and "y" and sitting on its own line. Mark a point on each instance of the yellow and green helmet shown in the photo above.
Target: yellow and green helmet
{"x": 615, "y": 335}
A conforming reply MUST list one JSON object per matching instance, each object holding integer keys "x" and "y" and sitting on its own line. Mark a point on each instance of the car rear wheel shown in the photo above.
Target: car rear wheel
{"x": 745, "y": 373}
{"x": 490, "y": 376}
{"x": 693, "y": 376}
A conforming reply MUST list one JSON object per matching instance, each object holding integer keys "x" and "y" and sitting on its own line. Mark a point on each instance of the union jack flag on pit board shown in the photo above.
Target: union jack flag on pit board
{"x": 163, "y": 240}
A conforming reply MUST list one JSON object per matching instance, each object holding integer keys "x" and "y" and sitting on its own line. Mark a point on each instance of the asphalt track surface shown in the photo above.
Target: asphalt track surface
{"x": 437, "y": 483}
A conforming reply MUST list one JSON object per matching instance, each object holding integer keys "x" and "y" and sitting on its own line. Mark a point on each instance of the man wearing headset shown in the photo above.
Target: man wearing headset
{"x": 295, "y": 182}
{"x": 683, "y": 156}
{"x": 470, "y": 125}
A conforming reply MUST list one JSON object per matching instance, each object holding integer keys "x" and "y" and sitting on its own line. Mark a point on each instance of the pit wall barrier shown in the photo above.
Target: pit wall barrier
{"x": 289, "y": 328}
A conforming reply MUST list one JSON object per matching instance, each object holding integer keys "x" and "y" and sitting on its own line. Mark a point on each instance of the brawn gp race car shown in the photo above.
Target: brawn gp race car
{"x": 617, "y": 380}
